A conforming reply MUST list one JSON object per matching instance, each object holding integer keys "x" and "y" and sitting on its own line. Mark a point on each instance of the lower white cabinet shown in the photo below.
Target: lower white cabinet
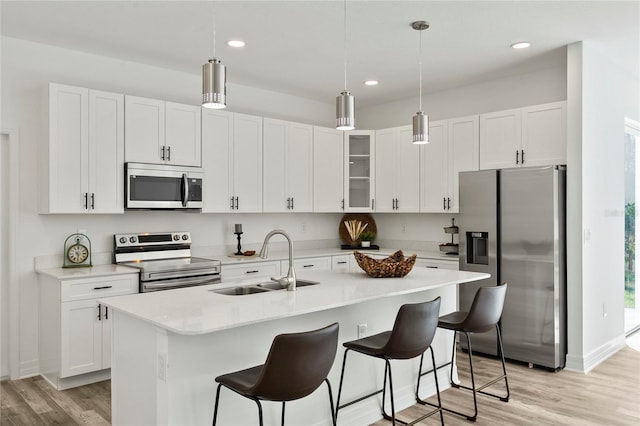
{"x": 342, "y": 263}
{"x": 307, "y": 264}
{"x": 437, "y": 264}
{"x": 250, "y": 270}
{"x": 75, "y": 329}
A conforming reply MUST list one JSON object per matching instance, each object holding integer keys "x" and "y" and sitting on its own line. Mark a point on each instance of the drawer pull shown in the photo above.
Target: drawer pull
{"x": 432, "y": 267}
{"x": 103, "y": 287}
{"x": 308, "y": 266}
{"x": 342, "y": 262}
{"x": 252, "y": 272}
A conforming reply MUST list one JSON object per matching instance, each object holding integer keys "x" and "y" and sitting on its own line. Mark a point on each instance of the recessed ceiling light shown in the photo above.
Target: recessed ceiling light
{"x": 521, "y": 45}
{"x": 236, "y": 43}
{"x": 371, "y": 82}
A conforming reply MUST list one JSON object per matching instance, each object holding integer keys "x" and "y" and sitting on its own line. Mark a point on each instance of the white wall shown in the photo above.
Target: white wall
{"x": 547, "y": 85}
{"x": 596, "y": 203}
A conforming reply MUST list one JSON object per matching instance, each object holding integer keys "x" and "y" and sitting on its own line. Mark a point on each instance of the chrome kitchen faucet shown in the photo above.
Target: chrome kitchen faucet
{"x": 290, "y": 280}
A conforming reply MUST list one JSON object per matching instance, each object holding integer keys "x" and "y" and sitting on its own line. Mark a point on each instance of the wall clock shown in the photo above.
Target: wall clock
{"x": 77, "y": 251}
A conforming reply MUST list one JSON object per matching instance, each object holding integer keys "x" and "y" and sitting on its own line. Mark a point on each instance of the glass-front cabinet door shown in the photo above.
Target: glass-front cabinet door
{"x": 359, "y": 170}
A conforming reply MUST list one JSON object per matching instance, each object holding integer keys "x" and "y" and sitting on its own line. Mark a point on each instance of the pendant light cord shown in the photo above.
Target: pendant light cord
{"x": 420, "y": 62}
{"x": 214, "y": 34}
{"x": 345, "y": 45}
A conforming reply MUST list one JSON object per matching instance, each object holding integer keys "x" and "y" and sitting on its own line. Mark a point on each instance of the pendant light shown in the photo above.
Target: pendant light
{"x": 214, "y": 80}
{"x": 420, "y": 120}
{"x": 345, "y": 102}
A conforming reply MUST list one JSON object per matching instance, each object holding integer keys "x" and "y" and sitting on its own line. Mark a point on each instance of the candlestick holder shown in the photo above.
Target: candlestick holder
{"x": 239, "y": 252}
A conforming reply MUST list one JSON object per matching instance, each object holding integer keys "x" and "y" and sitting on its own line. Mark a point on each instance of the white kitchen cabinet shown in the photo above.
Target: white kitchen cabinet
{"x": 328, "y": 170}
{"x": 160, "y": 132}
{"x": 437, "y": 264}
{"x": 303, "y": 264}
{"x": 247, "y": 270}
{"x": 397, "y": 169}
{"x": 84, "y": 159}
{"x": 75, "y": 329}
{"x": 342, "y": 263}
{"x": 452, "y": 148}
{"x": 232, "y": 151}
{"x": 359, "y": 166}
{"x": 523, "y": 137}
{"x": 287, "y": 166}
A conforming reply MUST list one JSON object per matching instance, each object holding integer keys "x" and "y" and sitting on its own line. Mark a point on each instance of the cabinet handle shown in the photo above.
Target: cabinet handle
{"x": 93, "y": 201}
{"x": 517, "y": 157}
{"x": 397, "y": 207}
{"x": 103, "y": 287}
{"x": 372, "y": 204}
{"x": 448, "y": 203}
{"x": 444, "y": 203}
{"x": 522, "y": 156}
{"x": 86, "y": 200}
{"x": 232, "y": 204}
{"x": 291, "y": 203}
{"x": 252, "y": 272}
{"x": 162, "y": 153}
{"x": 99, "y": 312}
{"x": 288, "y": 203}
{"x": 106, "y": 312}
{"x": 432, "y": 267}
{"x": 168, "y": 153}
{"x": 308, "y": 266}
{"x": 237, "y": 203}
{"x": 342, "y": 262}
{"x": 343, "y": 204}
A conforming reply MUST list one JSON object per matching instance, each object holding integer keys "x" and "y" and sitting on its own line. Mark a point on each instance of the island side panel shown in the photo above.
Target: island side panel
{"x": 138, "y": 392}
{"x": 195, "y": 361}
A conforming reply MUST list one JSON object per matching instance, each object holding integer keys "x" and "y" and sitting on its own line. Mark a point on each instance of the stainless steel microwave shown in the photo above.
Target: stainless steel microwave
{"x": 159, "y": 186}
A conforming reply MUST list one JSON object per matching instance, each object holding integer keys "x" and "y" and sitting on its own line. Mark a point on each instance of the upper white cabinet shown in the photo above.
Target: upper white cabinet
{"x": 452, "y": 148}
{"x": 397, "y": 165}
{"x": 232, "y": 150}
{"x": 287, "y": 166}
{"x": 162, "y": 132}
{"x": 523, "y": 137}
{"x": 328, "y": 170}
{"x": 359, "y": 185}
{"x": 84, "y": 160}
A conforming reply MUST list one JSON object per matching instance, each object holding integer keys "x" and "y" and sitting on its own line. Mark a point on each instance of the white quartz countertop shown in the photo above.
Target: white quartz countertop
{"x": 321, "y": 252}
{"x": 198, "y": 310}
{"x": 89, "y": 272}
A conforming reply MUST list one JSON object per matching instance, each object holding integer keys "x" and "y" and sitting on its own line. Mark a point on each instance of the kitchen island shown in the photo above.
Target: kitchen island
{"x": 167, "y": 347}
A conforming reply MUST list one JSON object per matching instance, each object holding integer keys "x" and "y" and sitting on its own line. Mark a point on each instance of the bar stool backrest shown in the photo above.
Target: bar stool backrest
{"x": 413, "y": 330}
{"x": 297, "y": 364}
{"x": 486, "y": 309}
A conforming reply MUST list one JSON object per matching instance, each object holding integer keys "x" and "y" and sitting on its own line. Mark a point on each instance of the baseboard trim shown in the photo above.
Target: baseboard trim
{"x": 29, "y": 368}
{"x": 584, "y": 364}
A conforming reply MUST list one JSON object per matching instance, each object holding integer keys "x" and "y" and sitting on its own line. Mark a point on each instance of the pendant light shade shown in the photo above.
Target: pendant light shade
{"x": 420, "y": 120}
{"x": 345, "y": 102}
{"x": 345, "y": 111}
{"x": 214, "y": 84}
{"x": 420, "y": 128}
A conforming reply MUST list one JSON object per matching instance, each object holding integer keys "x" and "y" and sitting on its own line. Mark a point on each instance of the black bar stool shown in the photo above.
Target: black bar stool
{"x": 483, "y": 316}
{"x": 412, "y": 334}
{"x": 296, "y": 366}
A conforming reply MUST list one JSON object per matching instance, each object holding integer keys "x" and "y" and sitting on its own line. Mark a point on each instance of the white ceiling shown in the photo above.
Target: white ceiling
{"x": 296, "y": 47}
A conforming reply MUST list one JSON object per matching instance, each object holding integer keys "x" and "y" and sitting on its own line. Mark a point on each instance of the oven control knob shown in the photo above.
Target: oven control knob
{"x": 176, "y": 237}
{"x": 123, "y": 240}
{"x": 185, "y": 237}
{"x": 132, "y": 239}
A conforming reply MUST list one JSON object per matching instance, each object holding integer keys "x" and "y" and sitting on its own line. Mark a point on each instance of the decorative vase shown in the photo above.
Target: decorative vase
{"x": 366, "y": 244}
{"x": 354, "y": 243}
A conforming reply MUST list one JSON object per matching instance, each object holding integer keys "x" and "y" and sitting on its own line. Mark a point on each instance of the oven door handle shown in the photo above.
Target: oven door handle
{"x": 185, "y": 190}
{"x": 180, "y": 282}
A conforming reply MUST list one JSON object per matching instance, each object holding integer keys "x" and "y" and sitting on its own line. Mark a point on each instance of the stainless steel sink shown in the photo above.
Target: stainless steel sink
{"x": 260, "y": 288}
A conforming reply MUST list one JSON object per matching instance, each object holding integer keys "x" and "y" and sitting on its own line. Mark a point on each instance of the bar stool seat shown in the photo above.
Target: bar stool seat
{"x": 412, "y": 334}
{"x": 483, "y": 316}
{"x": 297, "y": 364}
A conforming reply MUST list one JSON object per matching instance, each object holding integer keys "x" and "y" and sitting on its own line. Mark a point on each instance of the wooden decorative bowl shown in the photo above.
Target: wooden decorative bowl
{"x": 395, "y": 265}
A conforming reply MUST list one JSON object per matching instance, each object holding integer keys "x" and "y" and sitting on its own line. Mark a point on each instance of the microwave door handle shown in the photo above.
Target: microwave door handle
{"x": 185, "y": 190}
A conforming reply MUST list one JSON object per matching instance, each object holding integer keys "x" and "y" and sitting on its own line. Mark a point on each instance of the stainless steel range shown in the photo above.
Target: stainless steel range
{"x": 164, "y": 260}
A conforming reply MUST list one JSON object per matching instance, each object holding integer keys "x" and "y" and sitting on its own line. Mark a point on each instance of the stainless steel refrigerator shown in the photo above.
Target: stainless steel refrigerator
{"x": 512, "y": 226}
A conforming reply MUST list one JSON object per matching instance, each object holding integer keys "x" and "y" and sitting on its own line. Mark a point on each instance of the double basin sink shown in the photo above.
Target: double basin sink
{"x": 260, "y": 288}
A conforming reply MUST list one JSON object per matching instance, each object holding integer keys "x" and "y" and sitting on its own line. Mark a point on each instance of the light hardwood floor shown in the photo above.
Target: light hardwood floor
{"x": 608, "y": 395}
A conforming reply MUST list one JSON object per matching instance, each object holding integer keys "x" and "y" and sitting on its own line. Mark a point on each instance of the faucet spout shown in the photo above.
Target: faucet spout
{"x": 288, "y": 281}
